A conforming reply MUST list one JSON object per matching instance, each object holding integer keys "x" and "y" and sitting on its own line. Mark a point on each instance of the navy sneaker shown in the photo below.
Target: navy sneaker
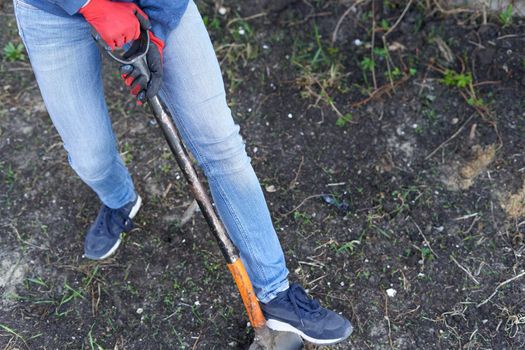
{"x": 294, "y": 311}
{"x": 104, "y": 235}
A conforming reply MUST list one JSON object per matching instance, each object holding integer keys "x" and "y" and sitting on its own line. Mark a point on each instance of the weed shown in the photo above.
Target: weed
{"x": 384, "y": 24}
{"x": 460, "y": 80}
{"x": 126, "y": 154}
{"x": 9, "y": 175}
{"x": 303, "y": 218}
{"x": 14, "y": 52}
{"x": 343, "y": 120}
{"x": 367, "y": 64}
{"x": 505, "y": 17}
{"x": 348, "y": 247}
{"x": 426, "y": 254}
{"x": 165, "y": 168}
{"x": 72, "y": 294}
{"x": 321, "y": 73}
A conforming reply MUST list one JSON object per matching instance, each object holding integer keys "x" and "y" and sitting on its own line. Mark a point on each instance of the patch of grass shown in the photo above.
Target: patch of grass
{"x": 460, "y": 80}
{"x": 347, "y": 247}
{"x": 343, "y": 120}
{"x": 126, "y": 154}
{"x": 465, "y": 82}
{"x": 8, "y": 173}
{"x": 14, "y": 52}
{"x": 321, "y": 73}
{"x": 505, "y": 16}
{"x": 303, "y": 218}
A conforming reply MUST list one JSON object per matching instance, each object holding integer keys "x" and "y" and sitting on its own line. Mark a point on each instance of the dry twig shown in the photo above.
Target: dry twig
{"x": 499, "y": 286}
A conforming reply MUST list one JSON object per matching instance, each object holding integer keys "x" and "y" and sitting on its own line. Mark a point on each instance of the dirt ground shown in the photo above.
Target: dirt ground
{"x": 389, "y": 139}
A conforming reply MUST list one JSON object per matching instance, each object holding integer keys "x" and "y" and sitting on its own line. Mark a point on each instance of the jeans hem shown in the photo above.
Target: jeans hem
{"x": 267, "y": 297}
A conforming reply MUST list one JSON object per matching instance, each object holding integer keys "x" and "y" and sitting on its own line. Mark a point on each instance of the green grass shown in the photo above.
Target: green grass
{"x": 14, "y": 52}
{"x": 505, "y": 16}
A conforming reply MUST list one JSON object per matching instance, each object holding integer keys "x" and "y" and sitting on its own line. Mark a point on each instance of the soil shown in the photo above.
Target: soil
{"x": 410, "y": 180}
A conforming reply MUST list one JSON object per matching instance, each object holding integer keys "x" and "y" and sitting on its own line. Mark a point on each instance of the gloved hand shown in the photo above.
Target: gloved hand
{"x": 138, "y": 83}
{"x": 117, "y": 23}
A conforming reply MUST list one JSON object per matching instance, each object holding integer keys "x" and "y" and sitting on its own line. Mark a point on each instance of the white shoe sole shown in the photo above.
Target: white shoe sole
{"x": 132, "y": 214}
{"x": 285, "y": 327}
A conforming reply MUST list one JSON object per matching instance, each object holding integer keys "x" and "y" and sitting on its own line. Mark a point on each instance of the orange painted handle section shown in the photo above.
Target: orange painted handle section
{"x": 247, "y": 294}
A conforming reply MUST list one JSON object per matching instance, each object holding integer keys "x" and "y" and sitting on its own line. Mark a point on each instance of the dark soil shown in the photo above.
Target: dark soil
{"x": 418, "y": 188}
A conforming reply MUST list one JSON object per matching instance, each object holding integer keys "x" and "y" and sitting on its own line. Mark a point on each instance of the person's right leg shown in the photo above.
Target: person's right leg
{"x": 67, "y": 66}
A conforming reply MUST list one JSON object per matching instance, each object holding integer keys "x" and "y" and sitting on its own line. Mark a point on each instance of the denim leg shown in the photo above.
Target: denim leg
{"x": 67, "y": 66}
{"x": 194, "y": 92}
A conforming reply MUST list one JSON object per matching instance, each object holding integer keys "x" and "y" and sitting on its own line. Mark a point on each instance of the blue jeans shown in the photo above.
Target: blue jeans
{"x": 67, "y": 66}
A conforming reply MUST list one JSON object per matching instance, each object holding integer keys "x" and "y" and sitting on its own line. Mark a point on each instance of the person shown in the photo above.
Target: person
{"x": 186, "y": 75}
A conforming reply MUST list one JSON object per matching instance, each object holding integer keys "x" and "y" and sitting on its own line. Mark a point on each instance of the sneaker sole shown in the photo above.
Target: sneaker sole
{"x": 132, "y": 214}
{"x": 285, "y": 327}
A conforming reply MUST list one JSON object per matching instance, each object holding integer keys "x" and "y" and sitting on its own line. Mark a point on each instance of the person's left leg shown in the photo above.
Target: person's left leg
{"x": 194, "y": 92}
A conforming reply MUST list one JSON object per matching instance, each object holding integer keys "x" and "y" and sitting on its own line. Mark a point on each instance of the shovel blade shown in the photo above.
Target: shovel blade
{"x": 266, "y": 339}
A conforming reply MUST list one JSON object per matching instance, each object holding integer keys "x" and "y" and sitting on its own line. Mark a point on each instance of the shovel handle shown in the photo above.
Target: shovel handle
{"x": 229, "y": 251}
{"x": 251, "y": 304}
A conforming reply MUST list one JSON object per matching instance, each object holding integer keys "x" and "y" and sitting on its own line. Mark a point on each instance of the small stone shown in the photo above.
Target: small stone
{"x": 391, "y": 292}
{"x": 222, "y": 10}
{"x": 271, "y": 188}
{"x": 140, "y": 310}
{"x": 454, "y": 121}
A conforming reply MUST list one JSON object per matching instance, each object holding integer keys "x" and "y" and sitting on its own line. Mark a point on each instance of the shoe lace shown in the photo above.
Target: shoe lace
{"x": 303, "y": 305}
{"x": 114, "y": 216}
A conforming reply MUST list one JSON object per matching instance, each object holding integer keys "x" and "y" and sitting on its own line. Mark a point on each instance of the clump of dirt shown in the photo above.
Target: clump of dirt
{"x": 514, "y": 205}
{"x": 461, "y": 175}
{"x": 12, "y": 272}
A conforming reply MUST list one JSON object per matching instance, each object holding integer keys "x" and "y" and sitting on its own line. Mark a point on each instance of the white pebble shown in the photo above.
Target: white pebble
{"x": 222, "y": 10}
{"x": 391, "y": 292}
{"x": 140, "y": 310}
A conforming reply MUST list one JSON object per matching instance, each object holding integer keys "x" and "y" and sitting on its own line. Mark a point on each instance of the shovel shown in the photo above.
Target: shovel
{"x": 265, "y": 339}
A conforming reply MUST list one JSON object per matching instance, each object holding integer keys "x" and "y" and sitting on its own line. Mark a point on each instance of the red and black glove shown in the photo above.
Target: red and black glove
{"x": 138, "y": 83}
{"x": 117, "y": 23}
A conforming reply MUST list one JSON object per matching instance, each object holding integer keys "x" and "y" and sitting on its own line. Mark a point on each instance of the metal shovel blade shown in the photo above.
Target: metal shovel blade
{"x": 266, "y": 339}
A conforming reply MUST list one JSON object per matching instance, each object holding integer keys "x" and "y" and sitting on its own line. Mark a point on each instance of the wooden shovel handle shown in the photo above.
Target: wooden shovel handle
{"x": 247, "y": 294}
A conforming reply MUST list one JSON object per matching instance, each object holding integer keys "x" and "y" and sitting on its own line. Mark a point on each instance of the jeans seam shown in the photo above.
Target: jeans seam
{"x": 20, "y": 30}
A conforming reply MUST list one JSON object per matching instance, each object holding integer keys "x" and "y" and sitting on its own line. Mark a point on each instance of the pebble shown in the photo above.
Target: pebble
{"x": 140, "y": 310}
{"x": 222, "y": 10}
{"x": 391, "y": 292}
{"x": 271, "y": 188}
